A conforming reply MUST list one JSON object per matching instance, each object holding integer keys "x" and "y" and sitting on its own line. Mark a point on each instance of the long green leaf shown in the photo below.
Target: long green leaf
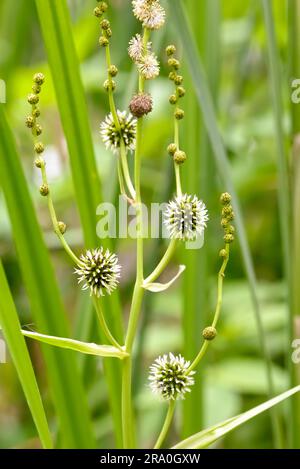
{"x": 76, "y": 345}
{"x": 207, "y": 437}
{"x": 10, "y": 325}
{"x": 209, "y": 118}
{"x": 57, "y": 33}
{"x": 47, "y": 309}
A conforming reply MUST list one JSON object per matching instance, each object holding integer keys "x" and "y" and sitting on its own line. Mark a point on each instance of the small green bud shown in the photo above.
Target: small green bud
{"x": 39, "y": 147}
{"x": 173, "y": 99}
{"x": 209, "y": 333}
{"x": 225, "y": 198}
{"x": 105, "y": 24}
{"x": 36, "y": 89}
{"x": 109, "y": 85}
{"x": 178, "y": 80}
{"x": 224, "y": 222}
{"x": 38, "y": 129}
{"x": 113, "y": 71}
{"x": 172, "y": 76}
{"x": 230, "y": 229}
{"x": 172, "y": 148}
{"x": 103, "y": 6}
{"x": 39, "y": 78}
{"x": 179, "y": 114}
{"x": 98, "y": 12}
{"x": 103, "y": 41}
{"x": 179, "y": 157}
{"x": 223, "y": 253}
{"x": 33, "y": 98}
{"x": 29, "y": 122}
{"x": 228, "y": 238}
{"x": 230, "y": 216}
{"x": 170, "y": 50}
{"x": 44, "y": 190}
{"x": 180, "y": 91}
{"x": 174, "y": 63}
{"x": 62, "y": 227}
{"x": 109, "y": 32}
{"x": 39, "y": 162}
{"x": 227, "y": 210}
{"x": 36, "y": 112}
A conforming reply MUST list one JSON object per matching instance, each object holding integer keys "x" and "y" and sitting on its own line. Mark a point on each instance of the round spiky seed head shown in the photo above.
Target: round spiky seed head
{"x": 62, "y": 227}
{"x": 223, "y": 253}
{"x": 39, "y": 162}
{"x": 99, "y": 271}
{"x": 39, "y": 78}
{"x": 209, "y": 333}
{"x": 172, "y": 76}
{"x": 228, "y": 238}
{"x": 38, "y": 129}
{"x": 148, "y": 66}
{"x": 29, "y": 122}
{"x": 172, "y": 148}
{"x": 39, "y": 147}
{"x": 224, "y": 222}
{"x": 33, "y": 98}
{"x": 111, "y": 136}
{"x": 179, "y": 157}
{"x": 103, "y": 41}
{"x": 109, "y": 85}
{"x": 103, "y": 6}
{"x": 225, "y": 198}
{"x": 141, "y": 104}
{"x": 174, "y": 63}
{"x": 105, "y": 24}
{"x": 179, "y": 114}
{"x": 149, "y": 12}
{"x": 170, "y": 50}
{"x": 36, "y": 112}
{"x": 113, "y": 71}
{"x": 44, "y": 190}
{"x": 36, "y": 89}
{"x": 173, "y": 99}
{"x": 180, "y": 91}
{"x": 98, "y": 12}
{"x": 169, "y": 377}
{"x": 178, "y": 80}
{"x": 185, "y": 217}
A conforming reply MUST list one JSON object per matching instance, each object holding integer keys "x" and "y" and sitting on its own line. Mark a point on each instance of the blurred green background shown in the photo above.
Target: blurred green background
{"x": 234, "y": 50}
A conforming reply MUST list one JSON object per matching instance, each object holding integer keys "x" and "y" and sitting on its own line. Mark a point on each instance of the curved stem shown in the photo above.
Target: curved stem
{"x": 124, "y": 163}
{"x": 163, "y": 263}
{"x": 166, "y": 425}
{"x": 55, "y": 221}
{"x": 206, "y": 343}
{"x": 104, "y": 325}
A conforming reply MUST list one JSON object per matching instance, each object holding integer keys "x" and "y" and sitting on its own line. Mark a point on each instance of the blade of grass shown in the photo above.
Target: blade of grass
{"x": 47, "y": 309}
{"x": 16, "y": 344}
{"x": 57, "y": 33}
{"x": 212, "y": 434}
{"x": 294, "y": 67}
{"x": 209, "y": 118}
{"x": 197, "y": 177}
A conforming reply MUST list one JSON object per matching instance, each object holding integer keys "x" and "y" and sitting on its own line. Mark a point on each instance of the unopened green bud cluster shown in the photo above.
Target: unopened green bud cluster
{"x": 227, "y": 217}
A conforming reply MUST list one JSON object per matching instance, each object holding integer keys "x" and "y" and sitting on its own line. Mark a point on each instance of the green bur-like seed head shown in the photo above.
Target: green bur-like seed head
{"x": 169, "y": 377}
{"x": 111, "y": 136}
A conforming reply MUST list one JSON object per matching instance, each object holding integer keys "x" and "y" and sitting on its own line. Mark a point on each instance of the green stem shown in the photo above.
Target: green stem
{"x": 103, "y": 323}
{"x": 177, "y": 166}
{"x": 163, "y": 263}
{"x": 166, "y": 425}
{"x": 125, "y": 168}
{"x": 55, "y": 221}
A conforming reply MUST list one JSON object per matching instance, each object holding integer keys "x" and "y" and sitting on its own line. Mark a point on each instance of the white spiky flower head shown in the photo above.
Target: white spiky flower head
{"x": 99, "y": 270}
{"x": 136, "y": 49}
{"x": 185, "y": 217}
{"x": 169, "y": 377}
{"x": 149, "y": 12}
{"x": 148, "y": 66}
{"x": 111, "y": 136}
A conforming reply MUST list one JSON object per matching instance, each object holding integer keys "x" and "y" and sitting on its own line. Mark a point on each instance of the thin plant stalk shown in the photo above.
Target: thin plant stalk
{"x": 166, "y": 425}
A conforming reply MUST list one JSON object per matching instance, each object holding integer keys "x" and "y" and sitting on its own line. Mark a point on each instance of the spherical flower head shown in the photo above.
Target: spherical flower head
{"x": 111, "y": 136}
{"x": 148, "y": 66}
{"x": 99, "y": 270}
{"x": 141, "y": 104}
{"x": 136, "y": 49}
{"x": 169, "y": 377}
{"x": 186, "y": 217}
{"x": 149, "y": 12}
